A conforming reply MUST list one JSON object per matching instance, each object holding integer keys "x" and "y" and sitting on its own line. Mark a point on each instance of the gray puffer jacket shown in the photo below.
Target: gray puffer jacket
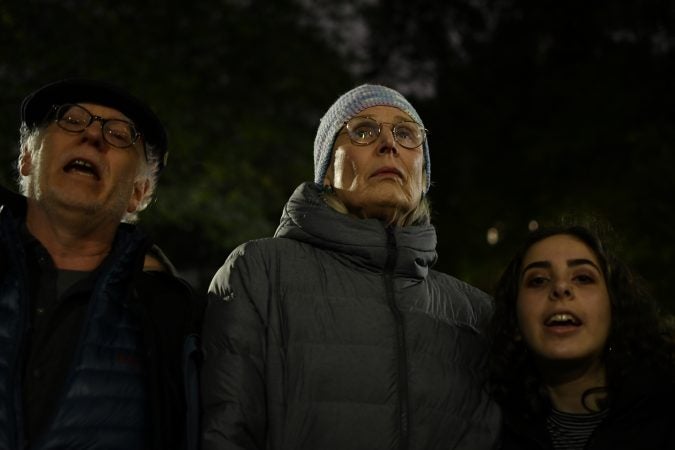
{"x": 335, "y": 334}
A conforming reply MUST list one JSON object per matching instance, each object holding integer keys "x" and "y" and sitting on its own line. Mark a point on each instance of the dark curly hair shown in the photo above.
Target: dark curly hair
{"x": 638, "y": 335}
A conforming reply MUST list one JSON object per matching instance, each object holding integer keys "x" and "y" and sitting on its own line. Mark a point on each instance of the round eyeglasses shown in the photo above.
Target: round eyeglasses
{"x": 116, "y": 132}
{"x": 365, "y": 130}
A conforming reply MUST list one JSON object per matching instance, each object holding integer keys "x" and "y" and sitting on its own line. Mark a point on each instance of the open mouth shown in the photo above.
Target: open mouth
{"x": 562, "y": 320}
{"x": 83, "y": 167}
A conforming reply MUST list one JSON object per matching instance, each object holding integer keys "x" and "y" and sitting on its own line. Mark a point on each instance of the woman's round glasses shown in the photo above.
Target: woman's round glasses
{"x": 365, "y": 130}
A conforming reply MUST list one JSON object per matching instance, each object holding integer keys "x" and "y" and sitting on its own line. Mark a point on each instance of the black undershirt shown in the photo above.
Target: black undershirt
{"x": 58, "y": 306}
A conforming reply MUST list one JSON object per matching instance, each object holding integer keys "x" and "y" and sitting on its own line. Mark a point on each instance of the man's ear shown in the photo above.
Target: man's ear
{"x": 25, "y": 163}
{"x": 141, "y": 187}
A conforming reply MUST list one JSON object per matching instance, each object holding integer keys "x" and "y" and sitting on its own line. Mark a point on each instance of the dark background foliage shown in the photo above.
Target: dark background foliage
{"x": 537, "y": 110}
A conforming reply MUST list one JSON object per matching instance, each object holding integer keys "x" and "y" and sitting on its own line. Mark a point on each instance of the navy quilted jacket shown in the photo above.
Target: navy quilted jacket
{"x": 128, "y": 360}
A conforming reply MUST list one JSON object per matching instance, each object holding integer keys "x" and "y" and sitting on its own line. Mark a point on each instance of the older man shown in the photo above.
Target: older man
{"x": 92, "y": 317}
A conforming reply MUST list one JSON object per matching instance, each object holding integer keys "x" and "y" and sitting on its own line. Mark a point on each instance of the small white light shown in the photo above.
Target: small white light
{"x": 533, "y": 225}
{"x": 492, "y": 235}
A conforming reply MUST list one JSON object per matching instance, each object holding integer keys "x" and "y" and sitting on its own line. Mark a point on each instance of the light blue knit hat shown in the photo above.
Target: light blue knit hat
{"x": 347, "y": 106}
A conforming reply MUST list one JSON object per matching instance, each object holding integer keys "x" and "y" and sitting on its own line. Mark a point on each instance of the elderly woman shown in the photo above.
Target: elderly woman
{"x": 581, "y": 358}
{"x": 336, "y": 333}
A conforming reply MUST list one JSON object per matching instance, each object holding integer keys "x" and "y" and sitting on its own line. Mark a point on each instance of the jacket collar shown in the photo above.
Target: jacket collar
{"x": 307, "y": 218}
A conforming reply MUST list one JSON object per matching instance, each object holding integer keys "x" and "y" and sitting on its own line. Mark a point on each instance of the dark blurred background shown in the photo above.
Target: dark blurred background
{"x": 536, "y": 110}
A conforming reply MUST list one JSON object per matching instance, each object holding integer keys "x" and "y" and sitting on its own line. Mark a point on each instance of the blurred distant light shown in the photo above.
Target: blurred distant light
{"x": 533, "y": 225}
{"x": 492, "y": 235}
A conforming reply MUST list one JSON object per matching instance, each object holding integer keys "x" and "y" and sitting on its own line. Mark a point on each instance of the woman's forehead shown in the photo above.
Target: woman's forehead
{"x": 559, "y": 246}
{"x": 385, "y": 112}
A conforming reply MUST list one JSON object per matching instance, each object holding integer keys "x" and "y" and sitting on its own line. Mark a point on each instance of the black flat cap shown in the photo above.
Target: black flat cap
{"x": 36, "y": 107}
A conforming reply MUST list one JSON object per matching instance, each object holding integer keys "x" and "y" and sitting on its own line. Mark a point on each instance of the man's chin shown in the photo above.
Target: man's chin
{"x": 72, "y": 201}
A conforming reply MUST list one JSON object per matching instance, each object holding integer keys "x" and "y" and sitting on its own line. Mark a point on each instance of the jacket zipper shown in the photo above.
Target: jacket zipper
{"x": 390, "y": 265}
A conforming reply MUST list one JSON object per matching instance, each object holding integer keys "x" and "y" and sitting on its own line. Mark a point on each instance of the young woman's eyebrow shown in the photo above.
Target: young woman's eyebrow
{"x": 538, "y": 264}
{"x": 581, "y": 262}
{"x": 535, "y": 265}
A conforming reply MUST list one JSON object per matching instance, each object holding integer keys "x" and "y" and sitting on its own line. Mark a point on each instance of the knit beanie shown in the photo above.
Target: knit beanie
{"x": 349, "y": 105}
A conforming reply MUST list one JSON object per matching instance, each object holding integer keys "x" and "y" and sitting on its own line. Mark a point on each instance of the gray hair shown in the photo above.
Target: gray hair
{"x": 29, "y": 140}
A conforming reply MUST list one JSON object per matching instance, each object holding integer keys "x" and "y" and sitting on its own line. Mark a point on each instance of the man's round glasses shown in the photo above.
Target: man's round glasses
{"x": 116, "y": 132}
{"x": 365, "y": 130}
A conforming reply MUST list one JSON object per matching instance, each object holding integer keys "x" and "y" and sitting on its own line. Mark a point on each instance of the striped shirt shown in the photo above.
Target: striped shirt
{"x": 570, "y": 431}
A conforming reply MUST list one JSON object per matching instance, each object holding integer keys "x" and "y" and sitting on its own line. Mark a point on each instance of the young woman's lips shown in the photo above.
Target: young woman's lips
{"x": 562, "y": 323}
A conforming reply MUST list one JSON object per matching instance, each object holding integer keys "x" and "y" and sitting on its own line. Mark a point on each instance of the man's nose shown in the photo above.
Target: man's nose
{"x": 94, "y": 132}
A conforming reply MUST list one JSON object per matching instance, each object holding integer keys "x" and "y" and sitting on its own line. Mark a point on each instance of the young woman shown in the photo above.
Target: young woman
{"x": 580, "y": 357}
